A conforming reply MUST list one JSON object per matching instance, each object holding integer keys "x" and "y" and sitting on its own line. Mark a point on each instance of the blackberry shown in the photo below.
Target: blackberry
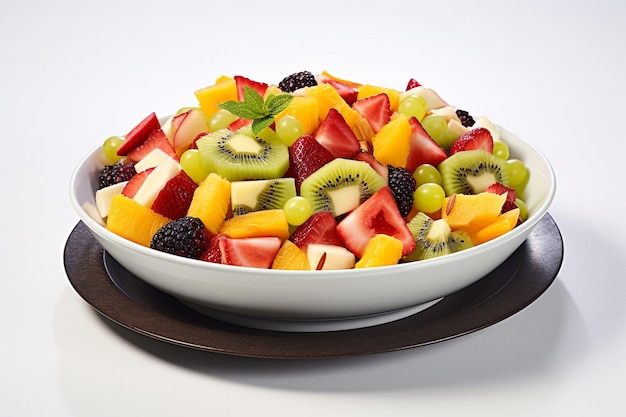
{"x": 118, "y": 172}
{"x": 466, "y": 119}
{"x": 298, "y": 80}
{"x": 402, "y": 186}
{"x": 185, "y": 237}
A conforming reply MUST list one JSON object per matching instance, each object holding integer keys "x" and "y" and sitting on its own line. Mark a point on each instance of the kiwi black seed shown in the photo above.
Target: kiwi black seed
{"x": 471, "y": 172}
{"x": 434, "y": 238}
{"x": 241, "y": 155}
{"x": 247, "y": 196}
{"x": 341, "y": 185}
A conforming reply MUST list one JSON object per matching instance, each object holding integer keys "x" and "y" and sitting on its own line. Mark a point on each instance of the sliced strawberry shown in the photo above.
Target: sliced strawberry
{"x": 254, "y": 252}
{"x": 133, "y": 185}
{"x": 194, "y": 145}
{"x": 139, "y": 134}
{"x": 381, "y": 169}
{"x": 156, "y": 139}
{"x": 347, "y": 92}
{"x": 243, "y": 82}
{"x": 422, "y": 148}
{"x": 511, "y": 196}
{"x": 174, "y": 199}
{"x": 479, "y": 138}
{"x": 412, "y": 84}
{"x": 336, "y": 136}
{"x": 213, "y": 253}
{"x": 238, "y": 124}
{"x": 377, "y": 215}
{"x": 307, "y": 155}
{"x": 320, "y": 228}
{"x": 376, "y": 110}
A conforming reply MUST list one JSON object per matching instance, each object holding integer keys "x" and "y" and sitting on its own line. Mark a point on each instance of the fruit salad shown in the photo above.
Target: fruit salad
{"x": 315, "y": 172}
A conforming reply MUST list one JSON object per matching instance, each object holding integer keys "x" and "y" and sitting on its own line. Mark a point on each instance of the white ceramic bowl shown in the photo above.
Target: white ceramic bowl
{"x": 317, "y": 300}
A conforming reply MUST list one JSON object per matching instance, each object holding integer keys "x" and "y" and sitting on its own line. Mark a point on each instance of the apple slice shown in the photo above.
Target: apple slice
{"x": 155, "y": 181}
{"x": 152, "y": 159}
{"x": 187, "y": 126}
{"x": 105, "y": 195}
{"x": 326, "y": 257}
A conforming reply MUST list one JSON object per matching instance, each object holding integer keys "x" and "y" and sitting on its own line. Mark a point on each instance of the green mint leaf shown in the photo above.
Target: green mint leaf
{"x": 262, "y": 123}
{"x": 241, "y": 109}
{"x": 254, "y": 101}
{"x": 276, "y": 104}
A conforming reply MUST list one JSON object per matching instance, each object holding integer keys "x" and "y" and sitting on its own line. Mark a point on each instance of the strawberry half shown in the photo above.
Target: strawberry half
{"x": 377, "y": 215}
{"x": 174, "y": 199}
{"x": 347, "y": 92}
{"x": 156, "y": 139}
{"x": 139, "y": 134}
{"x": 422, "y": 148}
{"x": 243, "y": 82}
{"x": 376, "y": 110}
{"x": 511, "y": 196}
{"x": 238, "y": 124}
{"x": 336, "y": 136}
{"x": 320, "y": 228}
{"x": 130, "y": 189}
{"x": 213, "y": 253}
{"x": 412, "y": 84}
{"x": 254, "y": 252}
{"x": 479, "y": 138}
{"x": 307, "y": 155}
{"x": 381, "y": 169}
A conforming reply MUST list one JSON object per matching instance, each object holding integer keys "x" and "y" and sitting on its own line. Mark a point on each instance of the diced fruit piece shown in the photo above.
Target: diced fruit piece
{"x": 392, "y": 143}
{"x": 238, "y": 124}
{"x": 379, "y": 214}
{"x": 422, "y": 148}
{"x": 381, "y": 250}
{"x": 336, "y": 136}
{"x": 472, "y": 212}
{"x": 435, "y": 238}
{"x": 320, "y": 228}
{"x": 104, "y": 197}
{"x": 290, "y": 257}
{"x": 243, "y": 82}
{"x": 139, "y": 134}
{"x": 187, "y": 126}
{"x": 350, "y": 83}
{"x": 213, "y": 253}
{"x": 174, "y": 199}
{"x": 297, "y": 81}
{"x": 412, "y": 84}
{"x": 257, "y": 224}
{"x": 253, "y": 252}
{"x": 498, "y": 188}
{"x": 133, "y": 185}
{"x": 92, "y": 211}
{"x": 376, "y": 109}
{"x": 210, "y": 97}
{"x": 329, "y": 257}
{"x": 381, "y": 169}
{"x": 133, "y": 221}
{"x": 155, "y": 181}
{"x": 118, "y": 172}
{"x": 505, "y": 222}
{"x": 345, "y": 90}
{"x": 184, "y": 236}
{"x": 152, "y": 159}
{"x": 307, "y": 155}
{"x": 368, "y": 90}
{"x": 306, "y": 110}
{"x": 471, "y": 172}
{"x": 255, "y": 195}
{"x": 210, "y": 202}
{"x": 298, "y": 210}
{"x": 479, "y": 138}
{"x": 340, "y": 186}
{"x": 156, "y": 140}
{"x": 402, "y": 185}
{"x": 433, "y": 101}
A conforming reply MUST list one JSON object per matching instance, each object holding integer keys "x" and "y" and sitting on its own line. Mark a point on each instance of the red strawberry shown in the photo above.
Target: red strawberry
{"x": 378, "y": 214}
{"x": 376, "y": 109}
{"x": 238, "y": 124}
{"x": 381, "y": 169}
{"x": 479, "y": 138}
{"x": 255, "y": 252}
{"x": 336, "y": 136}
{"x": 193, "y": 144}
{"x": 511, "y": 196}
{"x": 243, "y": 82}
{"x": 307, "y": 155}
{"x": 156, "y": 139}
{"x": 213, "y": 253}
{"x": 423, "y": 149}
{"x": 412, "y": 84}
{"x": 139, "y": 134}
{"x": 347, "y": 92}
{"x": 320, "y": 228}
{"x": 174, "y": 199}
{"x": 130, "y": 189}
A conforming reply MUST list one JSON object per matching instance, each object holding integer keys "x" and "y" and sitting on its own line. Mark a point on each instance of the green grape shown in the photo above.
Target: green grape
{"x": 428, "y": 198}
{"x": 427, "y": 173}
{"x": 110, "y": 147}
{"x": 221, "y": 119}
{"x": 517, "y": 172}
{"x": 523, "y": 209}
{"x": 501, "y": 149}
{"x": 192, "y": 163}
{"x": 288, "y": 129}
{"x": 445, "y": 139}
{"x": 434, "y": 125}
{"x": 413, "y": 106}
{"x": 297, "y": 210}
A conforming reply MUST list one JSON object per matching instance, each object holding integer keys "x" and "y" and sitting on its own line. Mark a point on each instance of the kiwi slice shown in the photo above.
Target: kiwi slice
{"x": 471, "y": 172}
{"x": 241, "y": 155}
{"x": 247, "y": 196}
{"x": 341, "y": 185}
{"x": 435, "y": 238}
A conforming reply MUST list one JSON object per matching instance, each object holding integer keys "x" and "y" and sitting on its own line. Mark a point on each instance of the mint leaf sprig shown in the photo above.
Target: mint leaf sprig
{"x": 253, "y": 107}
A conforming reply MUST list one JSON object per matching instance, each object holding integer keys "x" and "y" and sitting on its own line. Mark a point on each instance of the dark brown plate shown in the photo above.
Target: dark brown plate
{"x": 128, "y": 301}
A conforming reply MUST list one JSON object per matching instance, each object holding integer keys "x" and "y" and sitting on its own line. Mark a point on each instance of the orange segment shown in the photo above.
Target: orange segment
{"x": 291, "y": 257}
{"x": 472, "y": 212}
{"x": 211, "y": 201}
{"x": 381, "y": 250}
{"x": 224, "y": 89}
{"x": 257, "y": 224}
{"x": 392, "y": 142}
{"x": 502, "y": 224}
{"x": 372, "y": 90}
{"x": 133, "y": 221}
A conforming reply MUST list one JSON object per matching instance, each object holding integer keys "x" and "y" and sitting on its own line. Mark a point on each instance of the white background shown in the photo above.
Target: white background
{"x": 75, "y": 72}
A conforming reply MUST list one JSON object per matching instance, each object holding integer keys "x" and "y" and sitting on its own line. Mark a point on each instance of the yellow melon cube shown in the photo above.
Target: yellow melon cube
{"x": 133, "y": 221}
{"x": 257, "y": 224}
{"x": 211, "y": 201}
{"x": 209, "y": 97}
{"x": 381, "y": 250}
{"x": 291, "y": 257}
{"x": 472, "y": 212}
{"x": 505, "y": 222}
{"x": 306, "y": 110}
{"x": 392, "y": 142}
